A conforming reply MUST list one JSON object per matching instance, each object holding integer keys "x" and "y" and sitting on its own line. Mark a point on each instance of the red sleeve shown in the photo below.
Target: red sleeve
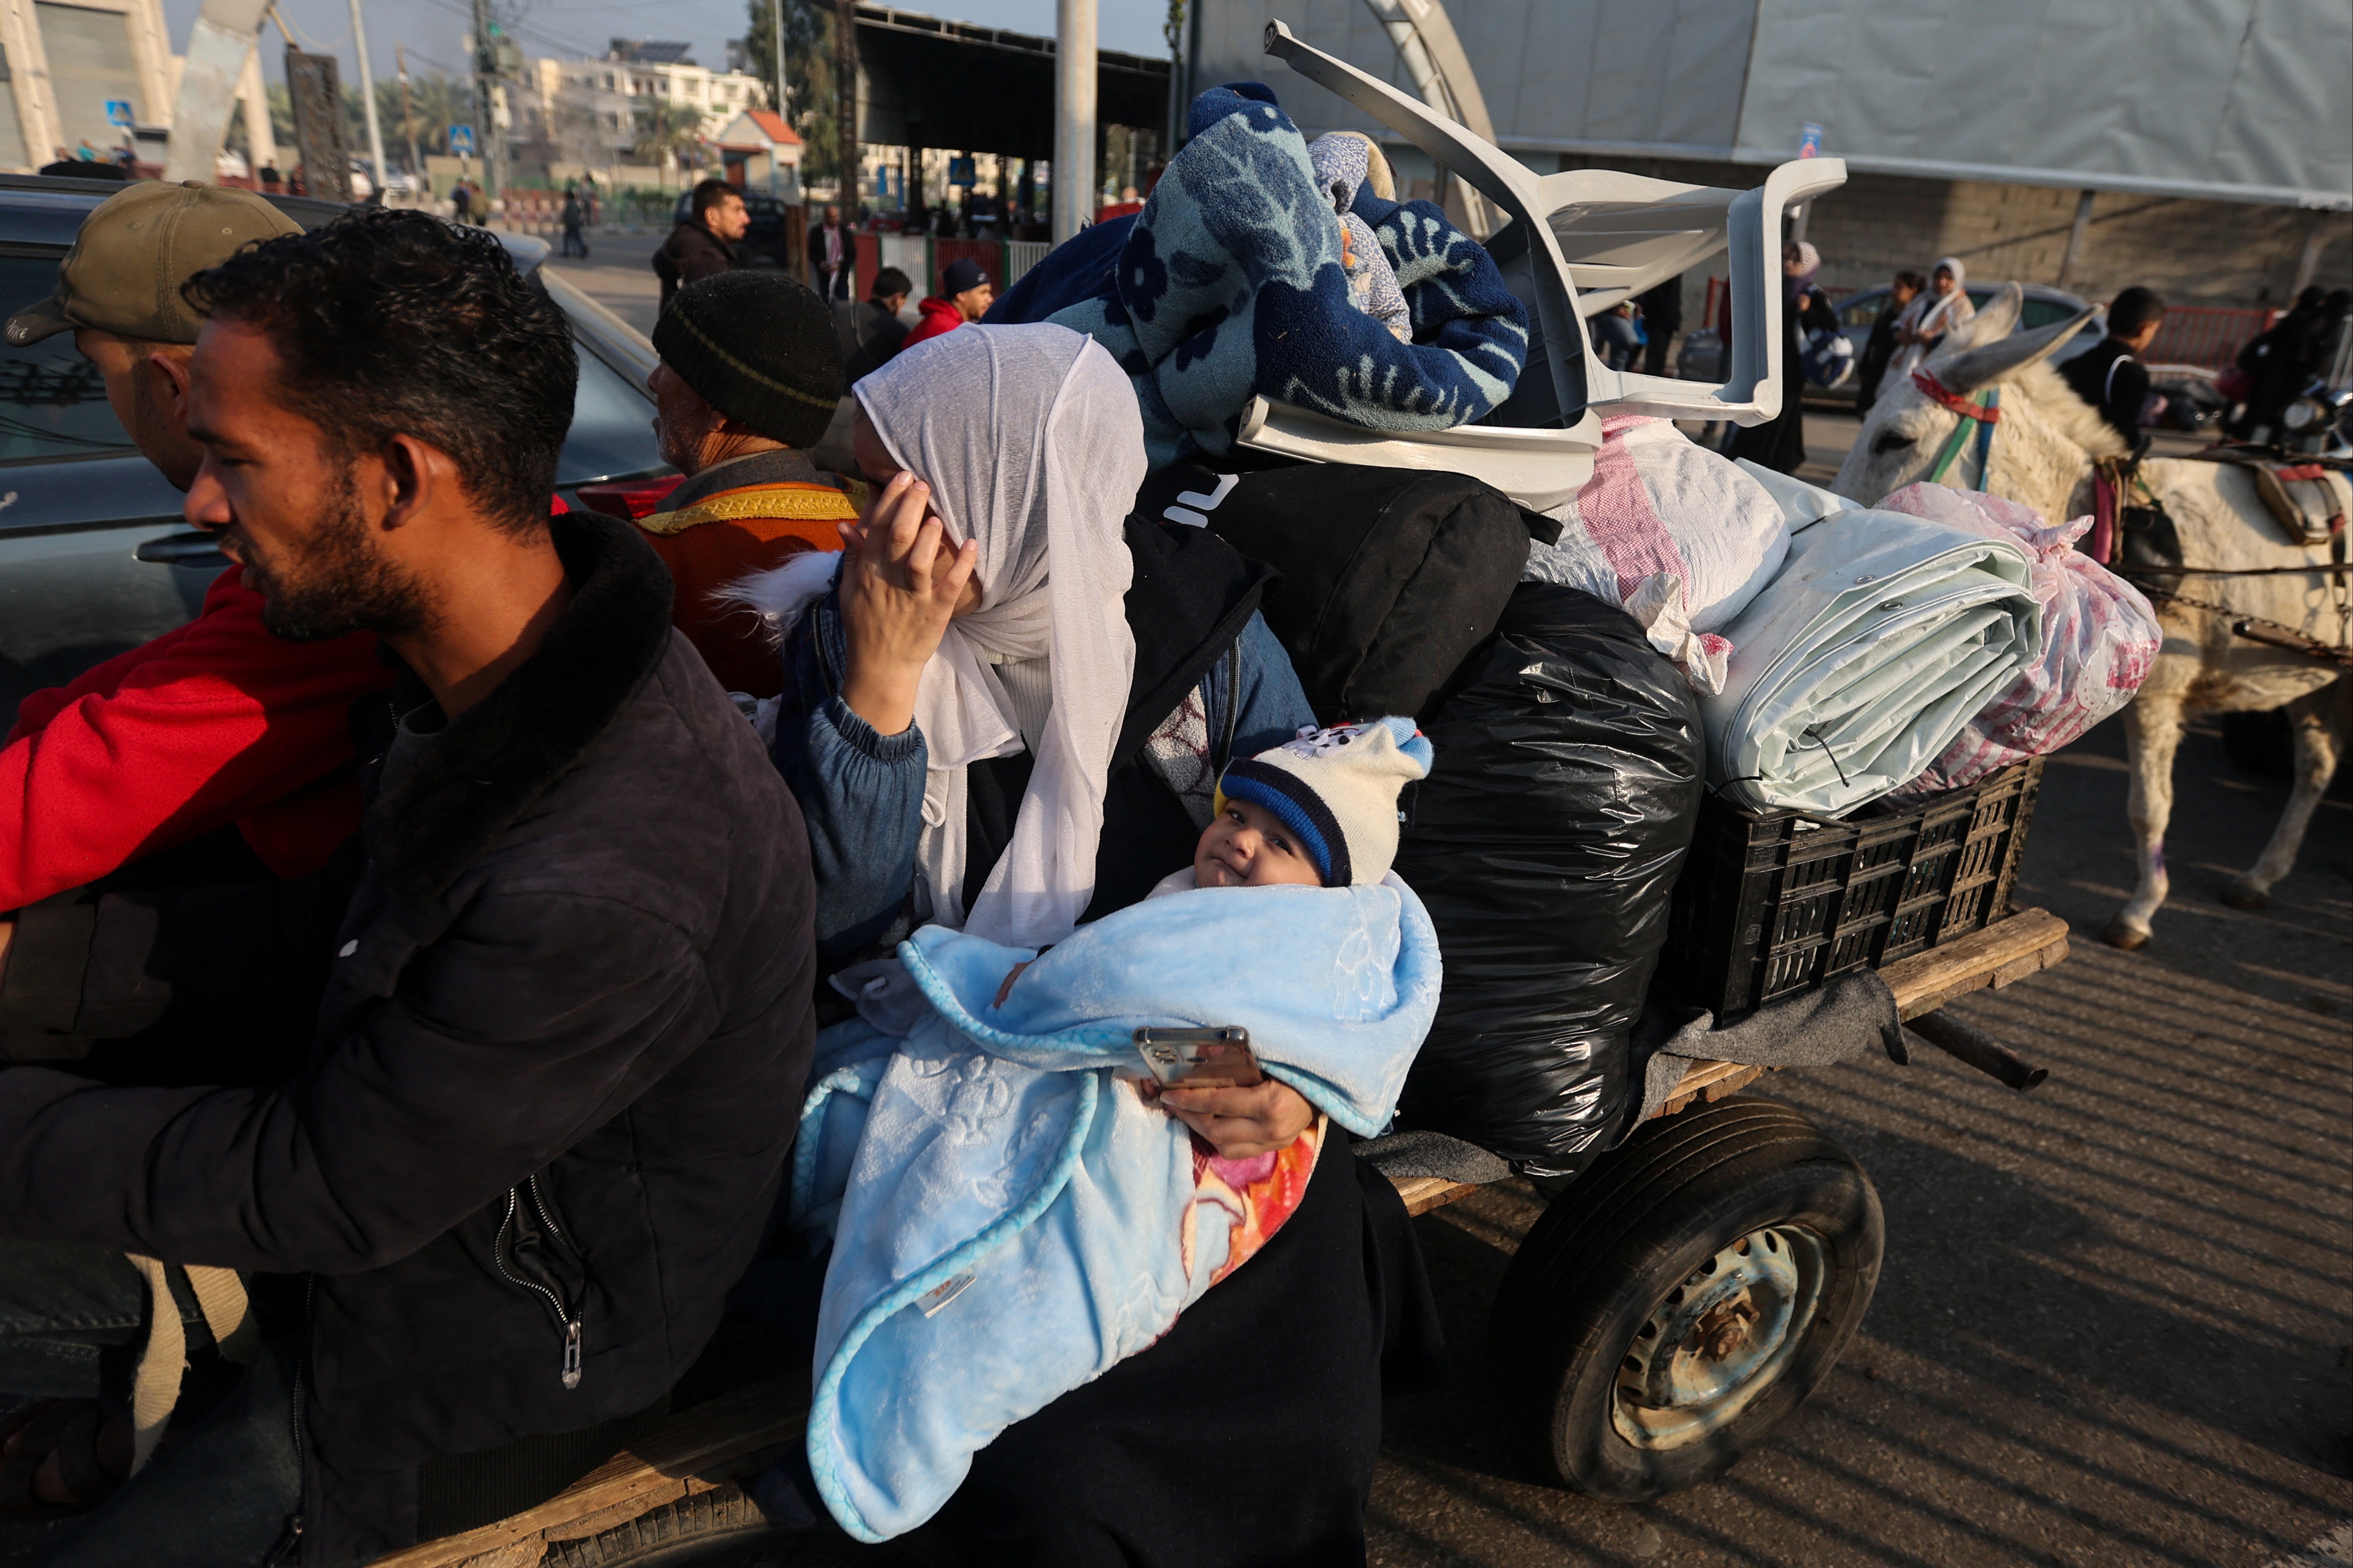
{"x": 203, "y": 727}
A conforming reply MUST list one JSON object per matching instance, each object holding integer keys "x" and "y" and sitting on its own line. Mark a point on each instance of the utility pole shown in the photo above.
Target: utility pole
{"x": 845, "y": 100}
{"x": 1074, "y": 116}
{"x": 367, "y": 99}
{"x": 408, "y": 121}
{"x": 490, "y": 99}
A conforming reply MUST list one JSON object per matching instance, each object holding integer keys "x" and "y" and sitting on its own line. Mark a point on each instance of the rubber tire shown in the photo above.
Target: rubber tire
{"x": 1608, "y": 1251}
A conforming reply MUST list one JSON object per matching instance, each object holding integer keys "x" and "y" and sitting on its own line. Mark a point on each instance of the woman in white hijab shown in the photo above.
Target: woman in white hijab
{"x": 1941, "y": 308}
{"x": 978, "y": 624}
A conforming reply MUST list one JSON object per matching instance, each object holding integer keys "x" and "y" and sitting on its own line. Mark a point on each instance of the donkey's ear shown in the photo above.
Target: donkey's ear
{"x": 1995, "y": 322}
{"x": 1999, "y": 361}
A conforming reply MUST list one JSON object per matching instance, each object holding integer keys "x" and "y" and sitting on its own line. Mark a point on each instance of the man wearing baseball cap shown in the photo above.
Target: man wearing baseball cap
{"x": 965, "y": 294}
{"x": 219, "y": 747}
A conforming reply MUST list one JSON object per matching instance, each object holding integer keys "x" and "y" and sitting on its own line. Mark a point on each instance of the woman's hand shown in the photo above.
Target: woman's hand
{"x": 1239, "y": 1123}
{"x": 901, "y": 586}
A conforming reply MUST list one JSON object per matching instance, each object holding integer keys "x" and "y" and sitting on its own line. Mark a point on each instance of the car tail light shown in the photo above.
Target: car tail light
{"x": 632, "y": 499}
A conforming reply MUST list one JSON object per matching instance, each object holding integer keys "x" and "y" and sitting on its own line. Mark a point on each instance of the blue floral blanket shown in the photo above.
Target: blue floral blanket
{"x": 1231, "y": 283}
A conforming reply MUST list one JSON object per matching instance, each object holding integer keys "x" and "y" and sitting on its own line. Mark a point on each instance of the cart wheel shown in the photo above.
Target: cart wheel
{"x": 1671, "y": 1309}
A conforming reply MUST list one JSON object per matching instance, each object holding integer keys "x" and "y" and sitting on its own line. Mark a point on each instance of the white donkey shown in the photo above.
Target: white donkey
{"x": 2044, "y": 449}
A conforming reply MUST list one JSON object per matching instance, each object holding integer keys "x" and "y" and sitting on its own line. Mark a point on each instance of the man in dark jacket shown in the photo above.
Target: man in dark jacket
{"x": 705, "y": 245}
{"x": 555, "y": 1070}
{"x": 833, "y": 256}
{"x": 1663, "y": 318}
{"x": 2109, "y": 377}
{"x": 875, "y": 333}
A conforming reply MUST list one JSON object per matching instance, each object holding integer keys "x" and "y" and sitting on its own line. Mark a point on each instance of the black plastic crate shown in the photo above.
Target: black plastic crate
{"x": 1773, "y": 903}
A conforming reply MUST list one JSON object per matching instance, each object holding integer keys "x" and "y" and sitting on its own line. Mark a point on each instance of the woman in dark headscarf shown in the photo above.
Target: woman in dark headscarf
{"x": 1780, "y": 445}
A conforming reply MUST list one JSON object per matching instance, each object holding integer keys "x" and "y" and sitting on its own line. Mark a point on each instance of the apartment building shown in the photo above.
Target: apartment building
{"x": 603, "y": 100}
{"x": 62, "y": 65}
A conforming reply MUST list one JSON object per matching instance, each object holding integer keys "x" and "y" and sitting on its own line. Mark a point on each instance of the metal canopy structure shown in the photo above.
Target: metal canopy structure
{"x": 2246, "y": 100}
{"x": 924, "y": 82}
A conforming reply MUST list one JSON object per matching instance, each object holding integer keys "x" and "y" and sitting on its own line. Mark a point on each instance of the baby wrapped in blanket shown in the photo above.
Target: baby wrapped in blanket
{"x": 1012, "y": 1212}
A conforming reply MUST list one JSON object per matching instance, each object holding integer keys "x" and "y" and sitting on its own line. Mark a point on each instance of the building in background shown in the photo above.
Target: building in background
{"x": 61, "y": 66}
{"x": 598, "y": 111}
{"x": 759, "y": 151}
{"x": 2203, "y": 147}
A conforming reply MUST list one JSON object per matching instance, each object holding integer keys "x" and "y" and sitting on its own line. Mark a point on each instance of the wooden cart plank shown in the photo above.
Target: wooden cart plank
{"x": 680, "y": 1457}
{"x": 2007, "y": 951}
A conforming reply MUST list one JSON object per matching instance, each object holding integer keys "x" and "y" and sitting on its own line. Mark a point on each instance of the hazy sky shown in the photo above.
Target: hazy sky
{"x": 434, "y": 30}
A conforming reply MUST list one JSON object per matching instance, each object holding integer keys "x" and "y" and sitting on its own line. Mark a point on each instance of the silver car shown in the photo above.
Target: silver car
{"x": 94, "y": 555}
{"x": 1859, "y": 311}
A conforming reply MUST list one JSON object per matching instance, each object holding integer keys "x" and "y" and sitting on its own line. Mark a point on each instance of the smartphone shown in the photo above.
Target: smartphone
{"x": 1201, "y": 1058}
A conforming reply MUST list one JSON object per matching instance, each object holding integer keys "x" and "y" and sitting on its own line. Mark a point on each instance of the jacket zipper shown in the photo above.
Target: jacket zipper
{"x": 572, "y": 1322}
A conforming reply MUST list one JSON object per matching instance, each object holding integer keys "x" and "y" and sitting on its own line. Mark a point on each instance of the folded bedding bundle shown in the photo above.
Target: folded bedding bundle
{"x": 1881, "y": 637}
{"x": 1235, "y": 281}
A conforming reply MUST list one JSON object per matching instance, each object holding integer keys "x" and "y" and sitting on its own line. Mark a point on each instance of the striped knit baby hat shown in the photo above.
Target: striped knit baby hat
{"x": 1336, "y": 790}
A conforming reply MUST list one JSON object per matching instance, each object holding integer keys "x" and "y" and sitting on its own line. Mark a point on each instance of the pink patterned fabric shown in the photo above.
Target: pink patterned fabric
{"x": 1618, "y": 517}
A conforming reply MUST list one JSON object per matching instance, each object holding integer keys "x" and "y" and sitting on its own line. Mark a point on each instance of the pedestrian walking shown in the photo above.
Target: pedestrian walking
{"x": 573, "y": 217}
{"x": 831, "y": 256}
{"x": 965, "y": 294}
{"x": 1780, "y": 445}
{"x": 462, "y": 203}
{"x": 703, "y": 244}
{"x": 1663, "y": 318}
{"x": 1615, "y": 336}
{"x": 1879, "y": 348}
{"x": 1937, "y": 310}
{"x": 2110, "y": 377}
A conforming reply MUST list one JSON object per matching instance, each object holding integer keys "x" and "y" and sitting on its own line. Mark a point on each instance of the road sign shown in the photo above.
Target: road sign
{"x": 960, "y": 172}
{"x": 1810, "y": 140}
{"x": 461, "y": 140}
{"x": 118, "y": 112}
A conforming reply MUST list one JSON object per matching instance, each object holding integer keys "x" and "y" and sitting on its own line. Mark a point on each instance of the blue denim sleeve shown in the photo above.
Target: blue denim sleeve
{"x": 860, "y": 793}
{"x": 1273, "y": 706}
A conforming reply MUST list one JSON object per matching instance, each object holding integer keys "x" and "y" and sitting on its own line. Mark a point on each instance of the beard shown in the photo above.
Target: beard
{"x": 338, "y": 584}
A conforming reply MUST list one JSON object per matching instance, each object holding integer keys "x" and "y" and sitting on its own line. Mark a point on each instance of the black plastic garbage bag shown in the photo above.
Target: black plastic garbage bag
{"x": 1545, "y": 843}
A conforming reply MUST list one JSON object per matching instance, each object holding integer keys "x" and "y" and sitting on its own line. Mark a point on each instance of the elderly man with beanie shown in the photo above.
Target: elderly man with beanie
{"x": 217, "y": 750}
{"x": 965, "y": 293}
{"x": 750, "y": 374}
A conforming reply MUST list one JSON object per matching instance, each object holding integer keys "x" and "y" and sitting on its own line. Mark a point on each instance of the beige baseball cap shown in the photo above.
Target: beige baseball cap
{"x": 135, "y": 249}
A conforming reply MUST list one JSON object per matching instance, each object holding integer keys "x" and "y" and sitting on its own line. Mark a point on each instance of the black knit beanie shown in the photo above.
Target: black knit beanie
{"x": 759, "y": 348}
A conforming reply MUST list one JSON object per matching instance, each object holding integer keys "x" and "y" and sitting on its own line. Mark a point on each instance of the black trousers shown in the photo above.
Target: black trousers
{"x": 1246, "y": 1437}
{"x": 219, "y": 1494}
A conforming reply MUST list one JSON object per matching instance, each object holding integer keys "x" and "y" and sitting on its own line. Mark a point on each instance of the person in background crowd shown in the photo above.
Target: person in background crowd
{"x": 1663, "y": 318}
{"x": 1937, "y": 310}
{"x": 461, "y": 202}
{"x": 703, "y": 244}
{"x": 271, "y": 178}
{"x": 218, "y": 751}
{"x": 554, "y": 1078}
{"x": 832, "y": 255}
{"x": 749, "y": 375}
{"x": 1781, "y": 444}
{"x": 1615, "y": 337}
{"x": 2109, "y": 376}
{"x": 574, "y": 215}
{"x": 965, "y": 296}
{"x": 876, "y": 331}
{"x": 1129, "y": 202}
{"x": 1879, "y": 348}
{"x": 2280, "y": 362}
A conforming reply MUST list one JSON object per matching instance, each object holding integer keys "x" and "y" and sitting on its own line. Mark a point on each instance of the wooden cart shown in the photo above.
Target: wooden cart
{"x": 1748, "y": 1345}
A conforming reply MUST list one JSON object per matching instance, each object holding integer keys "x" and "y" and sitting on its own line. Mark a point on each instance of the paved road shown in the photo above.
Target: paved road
{"x": 2112, "y": 1327}
{"x": 617, "y": 274}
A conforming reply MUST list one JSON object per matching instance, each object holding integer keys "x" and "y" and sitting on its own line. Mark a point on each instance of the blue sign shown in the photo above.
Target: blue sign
{"x": 461, "y": 140}
{"x": 960, "y": 172}
{"x": 1810, "y": 140}
{"x": 118, "y": 112}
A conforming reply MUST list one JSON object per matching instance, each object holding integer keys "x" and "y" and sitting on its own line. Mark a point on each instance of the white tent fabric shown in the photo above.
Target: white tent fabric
{"x": 2221, "y": 99}
{"x": 1880, "y": 639}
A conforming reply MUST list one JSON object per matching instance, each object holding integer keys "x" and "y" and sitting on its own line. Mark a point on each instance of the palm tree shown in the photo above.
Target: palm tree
{"x": 667, "y": 130}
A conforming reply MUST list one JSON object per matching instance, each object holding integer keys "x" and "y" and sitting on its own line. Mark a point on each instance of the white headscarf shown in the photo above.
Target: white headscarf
{"x": 1030, "y": 439}
{"x": 1933, "y": 315}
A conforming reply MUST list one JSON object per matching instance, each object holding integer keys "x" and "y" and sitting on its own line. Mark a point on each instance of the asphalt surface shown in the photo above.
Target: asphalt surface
{"x": 617, "y": 274}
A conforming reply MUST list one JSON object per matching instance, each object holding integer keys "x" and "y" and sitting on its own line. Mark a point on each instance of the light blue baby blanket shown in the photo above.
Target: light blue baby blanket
{"x": 1006, "y": 1212}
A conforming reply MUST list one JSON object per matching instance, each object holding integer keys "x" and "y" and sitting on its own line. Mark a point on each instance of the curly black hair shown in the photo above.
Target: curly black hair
{"x": 394, "y": 322}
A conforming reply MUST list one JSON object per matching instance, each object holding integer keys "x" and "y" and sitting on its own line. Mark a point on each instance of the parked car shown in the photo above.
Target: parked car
{"x": 1702, "y": 351}
{"x": 766, "y": 243}
{"x": 95, "y": 557}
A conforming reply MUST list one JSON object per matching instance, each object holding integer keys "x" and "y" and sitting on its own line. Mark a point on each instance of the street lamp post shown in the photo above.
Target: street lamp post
{"x": 367, "y": 99}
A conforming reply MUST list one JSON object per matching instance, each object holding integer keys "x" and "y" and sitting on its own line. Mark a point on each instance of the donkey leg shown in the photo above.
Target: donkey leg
{"x": 2152, "y": 732}
{"x": 2312, "y": 719}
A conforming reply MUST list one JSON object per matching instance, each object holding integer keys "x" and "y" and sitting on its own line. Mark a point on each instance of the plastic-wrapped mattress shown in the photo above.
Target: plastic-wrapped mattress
{"x": 1880, "y": 639}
